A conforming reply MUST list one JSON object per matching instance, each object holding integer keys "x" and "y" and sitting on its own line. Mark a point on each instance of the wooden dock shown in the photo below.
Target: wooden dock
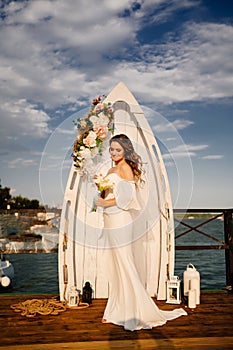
{"x": 209, "y": 326}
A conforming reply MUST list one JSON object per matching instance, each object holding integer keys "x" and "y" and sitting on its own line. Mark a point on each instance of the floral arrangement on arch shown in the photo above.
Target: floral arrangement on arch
{"x": 93, "y": 129}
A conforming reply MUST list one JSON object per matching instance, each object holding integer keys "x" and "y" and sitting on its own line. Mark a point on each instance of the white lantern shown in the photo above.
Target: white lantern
{"x": 173, "y": 290}
{"x": 73, "y": 297}
{"x": 192, "y": 281}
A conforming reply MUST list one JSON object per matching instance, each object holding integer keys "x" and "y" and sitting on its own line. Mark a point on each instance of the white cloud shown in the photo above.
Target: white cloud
{"x": 22, "y": 118}
{"x": 66, "y": 131}
{"x": 194, "y": 66}
{"x": 35, "y": 153}
{"x": 169, "y": 163}
{"x": 56, "y": 53}
{"x": 190, "y": 147}
{"x": 64, "y": 44}
{"x": 170, "y": 139}
{"x": 12, "y": 191}
{"x": 178, "y": 124}
{"x": 184, "y": 151}
{"x": 167, "y": 8}
{"x": 21, "y": 163}
{"x": 213, "y": 157}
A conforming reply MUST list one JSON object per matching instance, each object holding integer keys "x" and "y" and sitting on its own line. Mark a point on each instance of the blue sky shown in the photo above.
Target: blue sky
{"x": 174, "y": 55}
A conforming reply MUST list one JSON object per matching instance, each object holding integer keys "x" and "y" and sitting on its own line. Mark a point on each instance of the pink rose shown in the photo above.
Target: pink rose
{"x": 90, "y": 140}
{"x": 101, "y": 131}
{"x": 98, "y": 108}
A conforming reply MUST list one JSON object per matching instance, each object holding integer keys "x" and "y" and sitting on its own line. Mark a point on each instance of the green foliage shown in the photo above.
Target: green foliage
{"x": 4, "y": 196}
{"x": 17, "y": 202}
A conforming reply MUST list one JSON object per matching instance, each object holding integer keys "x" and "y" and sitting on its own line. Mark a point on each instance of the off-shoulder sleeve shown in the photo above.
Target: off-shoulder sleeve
{"x": 126, "y": 196}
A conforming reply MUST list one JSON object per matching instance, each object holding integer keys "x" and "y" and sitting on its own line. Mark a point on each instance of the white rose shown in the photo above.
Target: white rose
{"x": 85, "y": 152}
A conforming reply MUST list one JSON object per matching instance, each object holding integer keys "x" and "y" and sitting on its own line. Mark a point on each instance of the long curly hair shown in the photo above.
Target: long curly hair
{"x": 131, "y": 157}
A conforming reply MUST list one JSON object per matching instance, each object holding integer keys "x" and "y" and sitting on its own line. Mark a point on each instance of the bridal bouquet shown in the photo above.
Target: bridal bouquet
{"x": 93, "y": 129}
{"x": 103, "y": 184}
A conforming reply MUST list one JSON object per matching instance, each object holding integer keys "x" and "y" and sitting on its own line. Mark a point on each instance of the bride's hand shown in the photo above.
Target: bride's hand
{"x": 100, "y": 202}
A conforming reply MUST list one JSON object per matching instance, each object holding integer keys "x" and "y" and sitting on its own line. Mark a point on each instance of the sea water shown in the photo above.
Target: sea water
{"x": 38, "y": 273}
{"x": 209, "y": 262}
{"x": 35, "y": 273}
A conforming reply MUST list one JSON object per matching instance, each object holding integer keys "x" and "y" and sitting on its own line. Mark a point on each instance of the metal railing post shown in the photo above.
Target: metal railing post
{"x": 228, "y": 232}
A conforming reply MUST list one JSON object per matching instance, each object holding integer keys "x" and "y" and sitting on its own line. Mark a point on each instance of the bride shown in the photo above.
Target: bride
{"x": 129, "y": 304}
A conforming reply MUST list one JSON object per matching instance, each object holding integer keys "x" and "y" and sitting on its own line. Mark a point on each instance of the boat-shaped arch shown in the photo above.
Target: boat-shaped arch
{"x": 80, "y": 247}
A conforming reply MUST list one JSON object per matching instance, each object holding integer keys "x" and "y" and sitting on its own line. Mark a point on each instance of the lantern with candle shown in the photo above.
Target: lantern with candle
{"x": 73, "y": 297}
{"x": 173, "y": 290}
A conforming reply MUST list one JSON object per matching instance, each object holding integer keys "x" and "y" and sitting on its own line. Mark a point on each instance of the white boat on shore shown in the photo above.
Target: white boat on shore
{"x": 6, "y": 272}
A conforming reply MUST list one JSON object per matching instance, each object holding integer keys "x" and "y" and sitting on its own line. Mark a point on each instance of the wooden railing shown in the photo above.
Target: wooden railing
{"x": 227, "y": 244}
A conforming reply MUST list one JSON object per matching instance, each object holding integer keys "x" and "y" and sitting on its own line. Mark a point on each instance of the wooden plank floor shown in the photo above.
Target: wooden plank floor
{"x": 209, "y": 326}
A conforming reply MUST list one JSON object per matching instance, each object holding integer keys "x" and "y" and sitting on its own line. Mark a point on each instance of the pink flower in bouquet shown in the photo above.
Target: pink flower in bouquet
{"x": 90, "y": 140}
{"x": 101, "y": 131}
{"x": 98, "y": 108}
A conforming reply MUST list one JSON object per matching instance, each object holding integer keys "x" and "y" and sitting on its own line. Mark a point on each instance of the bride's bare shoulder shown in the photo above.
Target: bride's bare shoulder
{"x": 126, "y": 172}
{"x": 113, "y": 170}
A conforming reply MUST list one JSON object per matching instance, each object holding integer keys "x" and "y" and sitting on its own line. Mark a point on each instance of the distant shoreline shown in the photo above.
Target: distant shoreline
{"x": 24, "y": 251}
{"x": 10, "y": 242}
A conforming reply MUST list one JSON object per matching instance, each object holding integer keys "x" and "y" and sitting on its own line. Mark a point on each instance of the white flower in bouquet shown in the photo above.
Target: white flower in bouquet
{"x": 85, "y": 153}
{"x": 103, "y": 183}
{"x": 100, "y": 120}
{"x": 83, "y": 124}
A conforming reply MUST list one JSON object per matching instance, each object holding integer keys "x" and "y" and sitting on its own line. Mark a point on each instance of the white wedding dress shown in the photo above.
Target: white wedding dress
{"x": 129, "y": 304}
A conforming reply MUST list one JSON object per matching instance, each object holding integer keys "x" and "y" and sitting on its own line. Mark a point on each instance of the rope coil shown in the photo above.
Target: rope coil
{"x": 30, "y": 308}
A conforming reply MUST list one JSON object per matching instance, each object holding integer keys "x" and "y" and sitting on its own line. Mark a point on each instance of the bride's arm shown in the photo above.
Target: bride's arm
{"x": 105, "y": 203}
{"x": 124, "y": 197}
